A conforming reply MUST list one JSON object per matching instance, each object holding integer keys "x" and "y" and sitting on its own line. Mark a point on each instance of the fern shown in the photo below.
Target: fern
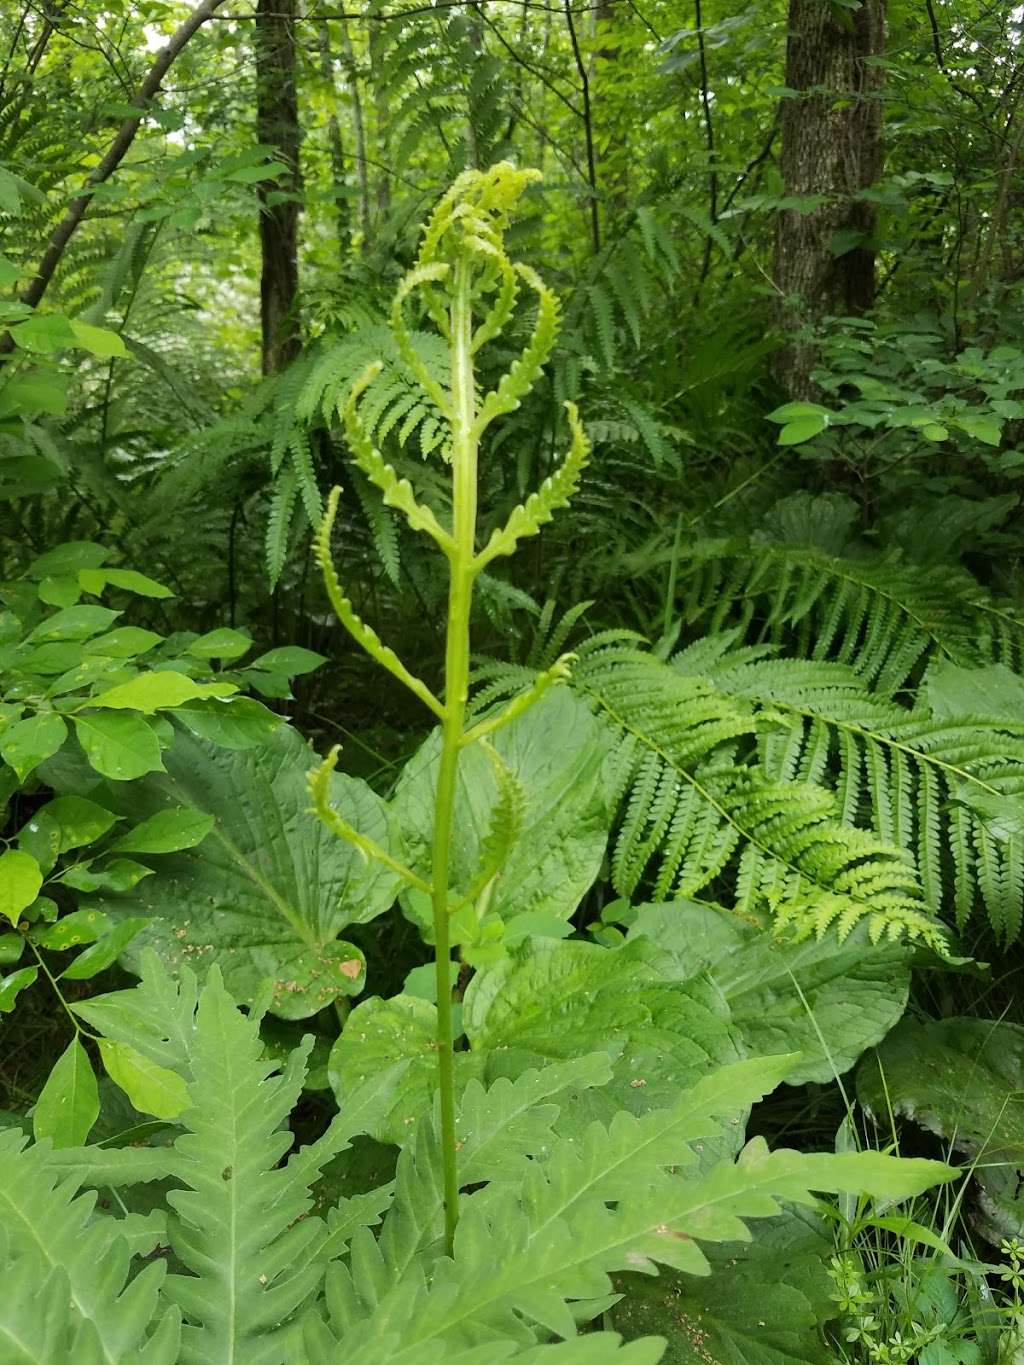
{"x": 883, "y": 619}
{"x": 697, "y": 812}
{"x": 943, "y": 790}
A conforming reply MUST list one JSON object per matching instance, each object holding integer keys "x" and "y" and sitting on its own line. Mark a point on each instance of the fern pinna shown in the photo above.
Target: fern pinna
{"x": 883, "y": 618}
{"x": 259, "y": 1279}
{"x": 700, "y": 812}
{"x": 945, "y": 788}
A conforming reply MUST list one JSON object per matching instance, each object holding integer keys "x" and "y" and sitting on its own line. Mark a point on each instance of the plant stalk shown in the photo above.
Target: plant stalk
{"x": 460, "y": 594}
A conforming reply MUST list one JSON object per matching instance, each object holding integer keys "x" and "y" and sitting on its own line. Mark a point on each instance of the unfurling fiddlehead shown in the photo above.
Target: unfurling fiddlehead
{"x": 469, "y": 287}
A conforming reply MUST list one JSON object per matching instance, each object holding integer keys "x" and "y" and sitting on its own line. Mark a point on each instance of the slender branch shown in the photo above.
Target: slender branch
{"x": 422, "y": 9}
{"x": 588, "y": 129}
{"x": 533, "y": 70}
{"x": 933, "y": 24}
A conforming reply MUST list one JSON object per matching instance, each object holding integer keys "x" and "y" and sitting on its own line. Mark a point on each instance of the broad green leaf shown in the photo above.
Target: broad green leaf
{"x": 802, "y": 429}
{"x": 826, "y": 1000}
{"x": 660, "y": 1035}
{"x": 224, "y": 643}
{"x": 791, "y": 412}
{"x": 65, "y": 823}
{"x": 555, "y": 751}
{"x": 269, "y": 891}
{"x": 397, "y": 1038}
{"x": 42, "y": 909}
{"x": 36, "y": 392}
{"x": 68, "y": 559}
{"x": 118, "y": 746}
{"x": 11, "y": 948}
{"x": 151, "y": 692}
{"x": 167, "y": 831}
{"x": 962, "y": 1079}
{"x": 952, "y": 692}
{"x": 152, "y": 1089}
{"x": 43, "y": 333}
{"x": 69, "y": 1102}
{"x": 124, "y": 643}
{"x": 247, "y": 175}
{"x": 52, "y": 658}
{"x": 71, "y": 931}
{"x": 74, "y": 623}
{"x": 20, "y": 880}
{"x": 59, "y": 592}
{"x": 99, "y": 341}
{"x": 28, "y": 742}
{"x": 982, "y": 428}
{"x": 13, "y": 984}
{"x": 94, "y": 581}
{"x": 289, "y": 660}
{"x": 762, "y": 1304}
{"x": 240, "y": 723}
{"x": 119, "y": 875}
{"x": 105, "y": 951}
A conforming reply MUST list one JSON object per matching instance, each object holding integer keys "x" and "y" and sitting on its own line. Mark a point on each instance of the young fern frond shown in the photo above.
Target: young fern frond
{"x": 364, "y": 635}
{"x": 319, "y": 783}
{"x": 554, "y": 493}
{"x": 503, "y": 827}
{"x": 698, "y": 809}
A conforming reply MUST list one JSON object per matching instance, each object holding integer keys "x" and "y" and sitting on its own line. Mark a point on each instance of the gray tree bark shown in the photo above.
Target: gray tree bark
{"x": 832, "y": 147}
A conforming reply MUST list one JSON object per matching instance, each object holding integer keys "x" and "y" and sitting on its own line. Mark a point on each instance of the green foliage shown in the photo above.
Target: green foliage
{"x": 265, "y": 893}
{"x": 253, "y": 1260}
{"x": 694, "y": 813}
{"x": 959, "y": 1078}
{"x": 822, "y": 736}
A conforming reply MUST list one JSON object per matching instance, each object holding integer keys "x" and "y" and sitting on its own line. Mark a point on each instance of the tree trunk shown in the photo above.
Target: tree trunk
{"x": 277, "y": 122}
{"x": 831, "y": 146}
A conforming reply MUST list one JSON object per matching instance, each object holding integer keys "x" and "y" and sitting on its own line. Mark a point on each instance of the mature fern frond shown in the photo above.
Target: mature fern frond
{"x": 882, "y": 618}
{"x": 698, "y": 810}
{"x": 948, "y": 792}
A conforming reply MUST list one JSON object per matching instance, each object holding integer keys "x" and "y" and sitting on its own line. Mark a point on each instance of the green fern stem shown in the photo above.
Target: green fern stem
{"x": 460, "y": 595}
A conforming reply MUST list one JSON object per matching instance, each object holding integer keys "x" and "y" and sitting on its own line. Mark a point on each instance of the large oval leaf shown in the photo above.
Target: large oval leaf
{"x": 267, "y": 893}
{"x": 550, "y": 1000}
{"x": 827, "y": 1000}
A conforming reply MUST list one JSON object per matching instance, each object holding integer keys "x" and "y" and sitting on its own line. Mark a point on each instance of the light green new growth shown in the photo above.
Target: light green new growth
{"x": 469, "y": 287}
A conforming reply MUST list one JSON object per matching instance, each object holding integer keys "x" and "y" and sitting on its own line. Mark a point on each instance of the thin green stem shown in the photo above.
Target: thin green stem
{"x": 460, "y": 593}
{"x": 58, "y": 992}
